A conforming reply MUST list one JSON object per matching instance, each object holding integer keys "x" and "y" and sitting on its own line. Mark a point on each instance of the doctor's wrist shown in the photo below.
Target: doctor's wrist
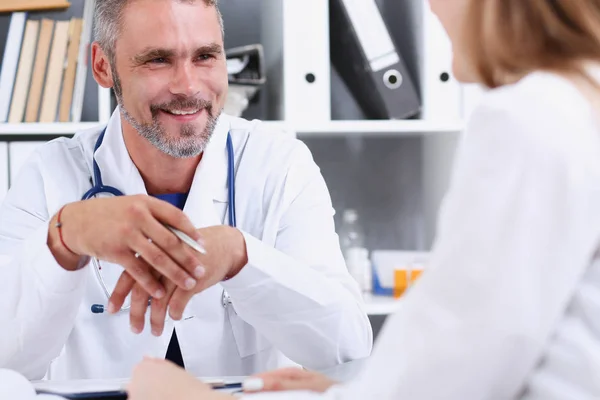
{"x": 62, "y": 252}
{"x": 238, "y": 251}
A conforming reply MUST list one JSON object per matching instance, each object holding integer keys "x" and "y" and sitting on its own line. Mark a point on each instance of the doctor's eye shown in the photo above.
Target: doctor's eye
{"x": 158, "y": 60}
{"x": 206, "y": 57}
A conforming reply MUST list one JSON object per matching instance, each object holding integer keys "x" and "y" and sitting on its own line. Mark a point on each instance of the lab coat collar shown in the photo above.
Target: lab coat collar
{"x": 208, "y": 186}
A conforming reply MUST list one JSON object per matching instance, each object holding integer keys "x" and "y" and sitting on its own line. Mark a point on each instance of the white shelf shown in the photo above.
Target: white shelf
{"x": 368, "y": 128}
{"x": 380, "y": 305}
{"x": 33, "y": 128}
{"x": 327, "y": 129}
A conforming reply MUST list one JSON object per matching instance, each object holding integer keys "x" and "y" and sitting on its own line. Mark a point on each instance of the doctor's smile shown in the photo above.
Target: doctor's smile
{"x": 190, "y": 252}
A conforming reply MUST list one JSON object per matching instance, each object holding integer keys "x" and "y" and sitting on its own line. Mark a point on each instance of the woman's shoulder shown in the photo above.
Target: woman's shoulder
{"x": 541, "y": 109}
{"x": 539, "y": 92}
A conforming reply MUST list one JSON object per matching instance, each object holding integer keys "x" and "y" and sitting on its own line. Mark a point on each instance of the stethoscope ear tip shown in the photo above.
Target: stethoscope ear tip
{"x": 97, "y": 308}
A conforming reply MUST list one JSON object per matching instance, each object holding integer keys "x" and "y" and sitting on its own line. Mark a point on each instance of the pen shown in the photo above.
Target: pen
{"x": 187, "y": 240}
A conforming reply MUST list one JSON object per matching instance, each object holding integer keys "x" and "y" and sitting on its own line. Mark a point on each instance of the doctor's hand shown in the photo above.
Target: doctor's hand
{"x": 129, "y": 231}
{"x": 288, "y": 379}
{"x": 155, "y": 379}
{"x": 225, "y": 257}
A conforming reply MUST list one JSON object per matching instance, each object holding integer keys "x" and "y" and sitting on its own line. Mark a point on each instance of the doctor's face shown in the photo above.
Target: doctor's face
{"x": 453, "y": 14}
{"x": 170, "y": 73}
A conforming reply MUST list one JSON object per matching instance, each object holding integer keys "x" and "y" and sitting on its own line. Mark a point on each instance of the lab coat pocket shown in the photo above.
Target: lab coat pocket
{"x": 247, "y": 339}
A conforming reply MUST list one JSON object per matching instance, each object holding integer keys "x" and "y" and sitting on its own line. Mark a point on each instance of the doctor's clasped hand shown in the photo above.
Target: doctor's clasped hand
{"x": 225, "y": 257}
{"x": 129, "y": 231}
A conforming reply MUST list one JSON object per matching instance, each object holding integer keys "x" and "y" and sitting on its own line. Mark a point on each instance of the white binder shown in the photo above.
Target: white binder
{"x": 10, "y": 61}
{"x": 441, "y": 92}
{"x": 295, "y": 36}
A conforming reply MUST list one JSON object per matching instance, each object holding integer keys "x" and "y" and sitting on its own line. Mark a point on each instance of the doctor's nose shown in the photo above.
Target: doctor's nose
{"x": 185, "y": 80}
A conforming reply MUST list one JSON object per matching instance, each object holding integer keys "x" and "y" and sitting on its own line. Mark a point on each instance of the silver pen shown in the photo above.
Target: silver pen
{"x": 187, "y": 240}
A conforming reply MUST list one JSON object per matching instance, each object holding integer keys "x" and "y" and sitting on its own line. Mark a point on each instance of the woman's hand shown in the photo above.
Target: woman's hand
{"x": 158, "y": 379}
{"x": 288, "y": 379}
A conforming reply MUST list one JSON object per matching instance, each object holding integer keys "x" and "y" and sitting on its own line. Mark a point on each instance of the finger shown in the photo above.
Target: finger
{"x": 181, "y": 297}
{"x": 184, "y": 255}
{"x": 282, "y": 373}
{"x": 161, "y": 262}
{"x": 158, "y": 309}
{"x": 276, "y": 380}
{"x": 173, "y": 216}
{"x": 139, "y": 270}
{"x": 137, "y": 312}
{"x": 178, "y": 302}
{"x": 122, "y": 289}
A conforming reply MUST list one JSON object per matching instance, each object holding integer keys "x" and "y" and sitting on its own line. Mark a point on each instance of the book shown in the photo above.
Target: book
{"x": 68, "y": 84}
{"x": 55, "y": 71}
{"x": 50, "y": 94}
{"x": 39, "y": 70}
{"x": 10, "y": 61}
{"x": 21, "y": 90}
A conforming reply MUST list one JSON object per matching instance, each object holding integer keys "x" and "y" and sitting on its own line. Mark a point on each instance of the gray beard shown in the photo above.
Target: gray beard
{"x": 189, "y": 144}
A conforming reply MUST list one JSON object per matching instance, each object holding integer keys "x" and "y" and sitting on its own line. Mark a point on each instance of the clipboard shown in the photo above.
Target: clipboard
{"x": 110, "y": 395}
{"x": 114, "y": 389}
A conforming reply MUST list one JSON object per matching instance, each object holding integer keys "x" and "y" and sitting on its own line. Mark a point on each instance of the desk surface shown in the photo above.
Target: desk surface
{"x": 341, "y": 373}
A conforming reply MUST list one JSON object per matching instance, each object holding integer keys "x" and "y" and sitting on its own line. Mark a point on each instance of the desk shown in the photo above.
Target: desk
{"x": 341, "y": 373}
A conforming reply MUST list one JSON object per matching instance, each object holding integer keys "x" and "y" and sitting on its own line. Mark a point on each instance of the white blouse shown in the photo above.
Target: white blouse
{"x": 510, "y": 305}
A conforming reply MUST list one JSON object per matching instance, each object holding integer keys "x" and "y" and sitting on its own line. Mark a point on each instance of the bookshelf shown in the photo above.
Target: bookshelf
{"x": 22, "y": 130}
{"x": 374, "y": 129}
{"x": 331, "y": 129}
{"x": 304, "y": 128}
{"x": 255, "y": 21}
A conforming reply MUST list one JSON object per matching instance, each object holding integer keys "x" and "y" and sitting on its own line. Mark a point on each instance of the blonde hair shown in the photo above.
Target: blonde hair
{"x": 510, "y": 38}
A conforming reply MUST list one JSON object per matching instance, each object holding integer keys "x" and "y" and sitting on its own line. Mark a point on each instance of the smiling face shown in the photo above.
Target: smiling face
{"x": 169, "y": 73}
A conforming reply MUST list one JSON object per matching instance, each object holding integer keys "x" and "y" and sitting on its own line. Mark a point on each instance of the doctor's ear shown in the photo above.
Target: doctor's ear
{"x": 101, "y": 66}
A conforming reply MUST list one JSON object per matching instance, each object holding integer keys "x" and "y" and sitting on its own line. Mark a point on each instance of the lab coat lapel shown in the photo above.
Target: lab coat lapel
{"x": 210, "y": 180}
{"x": 119, "y": 171}
{"x": 115, "y": 164}
{"x": 208, "y": 186}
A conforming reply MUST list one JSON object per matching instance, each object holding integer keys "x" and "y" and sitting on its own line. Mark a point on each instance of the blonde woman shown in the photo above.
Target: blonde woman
{"x": 510, "y": 308}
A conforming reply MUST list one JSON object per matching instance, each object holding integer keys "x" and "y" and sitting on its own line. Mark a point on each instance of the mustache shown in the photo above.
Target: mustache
{"x": 182, "y": 103}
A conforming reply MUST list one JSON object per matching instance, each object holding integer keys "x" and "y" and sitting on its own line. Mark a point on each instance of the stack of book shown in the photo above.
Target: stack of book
{"x": 44, "y": 65}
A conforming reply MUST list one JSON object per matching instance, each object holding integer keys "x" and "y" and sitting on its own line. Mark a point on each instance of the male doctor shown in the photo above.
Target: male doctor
{"x": 271, "y": 291}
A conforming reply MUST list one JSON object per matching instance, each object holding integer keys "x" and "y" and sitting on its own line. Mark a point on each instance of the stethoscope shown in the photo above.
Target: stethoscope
{"x": 99, "y": 188}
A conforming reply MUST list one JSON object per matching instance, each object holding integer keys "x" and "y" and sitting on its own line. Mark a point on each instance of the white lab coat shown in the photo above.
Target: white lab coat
{"x": 293, "y": 303}
{"x": 510, "y": 306}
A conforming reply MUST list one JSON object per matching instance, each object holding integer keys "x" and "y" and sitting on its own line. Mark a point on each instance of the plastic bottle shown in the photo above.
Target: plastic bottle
{"x": 352, "y": 242}
{"x": 350, "y": 233}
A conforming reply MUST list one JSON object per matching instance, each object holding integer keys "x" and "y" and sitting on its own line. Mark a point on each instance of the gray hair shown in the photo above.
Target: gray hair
{"x": 108, "y": 17}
